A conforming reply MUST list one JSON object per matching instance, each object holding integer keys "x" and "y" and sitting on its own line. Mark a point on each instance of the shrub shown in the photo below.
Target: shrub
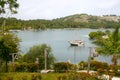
{"x": 9, "y": 78}
{"x": 32, "y": 67}
{"x": 24, "y": 67}
{"x": 62, "y": 67}
{"x": 33, "y": 77}
{"x": 21, "y": 67}
{"x": 114, "y": 69}
{"x": 2, "y": 67}
{"x": 94, "y": 65}
{"x": 36, "y": 77}
{"x": 39, "y": 77}
{"x": 77, "y": 76}
{"x": 24, "y": 77}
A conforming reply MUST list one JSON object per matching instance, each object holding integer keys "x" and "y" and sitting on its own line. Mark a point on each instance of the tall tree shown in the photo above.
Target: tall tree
{"x": 116, "y": 45}
{"x": 10, "y": 5}
{"x": 7, "y": 7}
{"x": 38, "y": 51}
{"x": 110, "y": 46}
{"x": 9, "y": 44}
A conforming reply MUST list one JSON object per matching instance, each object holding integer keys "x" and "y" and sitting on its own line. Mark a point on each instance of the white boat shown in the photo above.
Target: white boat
{"x": 14, "y": 30}
{"x": 76, "y": 43}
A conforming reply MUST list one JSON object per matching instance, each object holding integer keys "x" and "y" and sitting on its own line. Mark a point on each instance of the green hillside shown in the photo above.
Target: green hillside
{"x": 72, "y": 21}
{"x": 91, "y": 18}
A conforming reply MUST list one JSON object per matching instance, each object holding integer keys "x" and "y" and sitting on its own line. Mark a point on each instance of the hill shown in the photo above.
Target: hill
{"x": 91, "y": 18}
{"x": 89, "y": 21}
{"x": 72, "y": 21}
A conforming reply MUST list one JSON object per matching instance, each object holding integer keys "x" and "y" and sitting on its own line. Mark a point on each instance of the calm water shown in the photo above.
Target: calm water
{"x": 58, "y": 40}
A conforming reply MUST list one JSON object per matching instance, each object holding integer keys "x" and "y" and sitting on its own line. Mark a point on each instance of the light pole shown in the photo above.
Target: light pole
{"x": 91, "y": 53}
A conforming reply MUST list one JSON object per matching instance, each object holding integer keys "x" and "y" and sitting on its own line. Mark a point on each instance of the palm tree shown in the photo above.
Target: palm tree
{"x": 116, "y": 44}
{"x": 110, "y": 46}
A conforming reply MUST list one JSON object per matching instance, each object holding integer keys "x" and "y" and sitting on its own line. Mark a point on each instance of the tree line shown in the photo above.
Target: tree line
{"x": 13, "y": 23}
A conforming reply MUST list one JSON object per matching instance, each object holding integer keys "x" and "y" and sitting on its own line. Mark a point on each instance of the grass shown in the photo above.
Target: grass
{"x": 29, "y": 76}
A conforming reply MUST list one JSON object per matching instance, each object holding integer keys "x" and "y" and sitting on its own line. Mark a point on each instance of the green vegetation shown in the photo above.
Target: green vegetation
{"x": 62, "y": 67}
{"x": 73, "y": 21}
{"x": 68, "y": 74}
{"x": 32, "y": 61}
{"x": 9, "y": 44}
{"x": 109, "y": 46}
{"x": 50, "y": 76}
{"x": 96, "y": 35}
{"x": 8, "y": 5}
{"x": 38, "y": 52}
{"x": 101, "y": 67}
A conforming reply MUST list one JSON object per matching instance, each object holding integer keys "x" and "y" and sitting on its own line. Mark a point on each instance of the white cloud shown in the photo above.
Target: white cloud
{"x": 49, "y": 9}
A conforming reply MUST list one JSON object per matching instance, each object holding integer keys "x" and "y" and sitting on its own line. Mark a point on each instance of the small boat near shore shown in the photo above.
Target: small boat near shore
{"x": 76, "y": 43}
{"x": 14, "y": 30}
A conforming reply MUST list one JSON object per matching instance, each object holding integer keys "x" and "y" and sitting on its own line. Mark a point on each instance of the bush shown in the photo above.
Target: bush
{"x": 62, "y": 67}
{"x": 114, "y": 69}
{"x": 101, "y": 67}
{"x": 9, "y": 78}
{"x": 94, "y": 65}
{"x": 2, "y": 68}
{"x": 21, "y": 67}
{"x": 77, "y": 76}
{"x": 24, "y": 77}
{"x": 24, "y": 67}
{"x": 32, "y": 67}
{"x": 83, "y": 65}
{"x": 36, "y": 77}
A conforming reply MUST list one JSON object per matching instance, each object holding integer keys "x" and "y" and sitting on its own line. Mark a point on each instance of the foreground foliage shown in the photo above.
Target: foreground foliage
{"x": 9, "y": 44}
{"x": 10, "y": 5}
{"x": 62, "y": 67}
{"x": 101, "y": 68}
{"x": 49, "y": 76}
{"x": 37, "y": 53}
{"x": 109, "y": 46}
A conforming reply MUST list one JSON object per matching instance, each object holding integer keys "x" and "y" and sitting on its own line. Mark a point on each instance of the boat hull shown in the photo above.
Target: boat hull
{"x": 76, "y": 43}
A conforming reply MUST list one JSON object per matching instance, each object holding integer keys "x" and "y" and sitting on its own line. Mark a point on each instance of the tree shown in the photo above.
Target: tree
{"x": 96, "y": 35}
{"x": 7, "y": 7}
{"x": 10, "y": 5}
{"x": 38, "y": 51}
{"x": 9, "y": 43}
{"x": 116, "y": 45}
{"x": 110, "y": 46}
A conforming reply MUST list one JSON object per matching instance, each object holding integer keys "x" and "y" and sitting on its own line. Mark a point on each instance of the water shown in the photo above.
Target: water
{"x": 58, "y": 40}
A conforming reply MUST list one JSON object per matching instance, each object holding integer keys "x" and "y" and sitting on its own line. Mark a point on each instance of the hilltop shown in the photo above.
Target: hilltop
{"x": 91, "y": 18}
{"x": 90, "y": 21}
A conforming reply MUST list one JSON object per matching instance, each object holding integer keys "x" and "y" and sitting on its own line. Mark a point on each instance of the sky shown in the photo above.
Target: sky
{"x": 52, "y": 9}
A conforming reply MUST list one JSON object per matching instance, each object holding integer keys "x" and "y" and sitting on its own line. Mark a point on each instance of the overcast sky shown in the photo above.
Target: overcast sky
{"x": 51, "y": 9}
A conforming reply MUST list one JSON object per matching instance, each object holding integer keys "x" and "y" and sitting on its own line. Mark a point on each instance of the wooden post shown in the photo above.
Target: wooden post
{"x": 45, "y": 56}
{"x": 89, "y": 59}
